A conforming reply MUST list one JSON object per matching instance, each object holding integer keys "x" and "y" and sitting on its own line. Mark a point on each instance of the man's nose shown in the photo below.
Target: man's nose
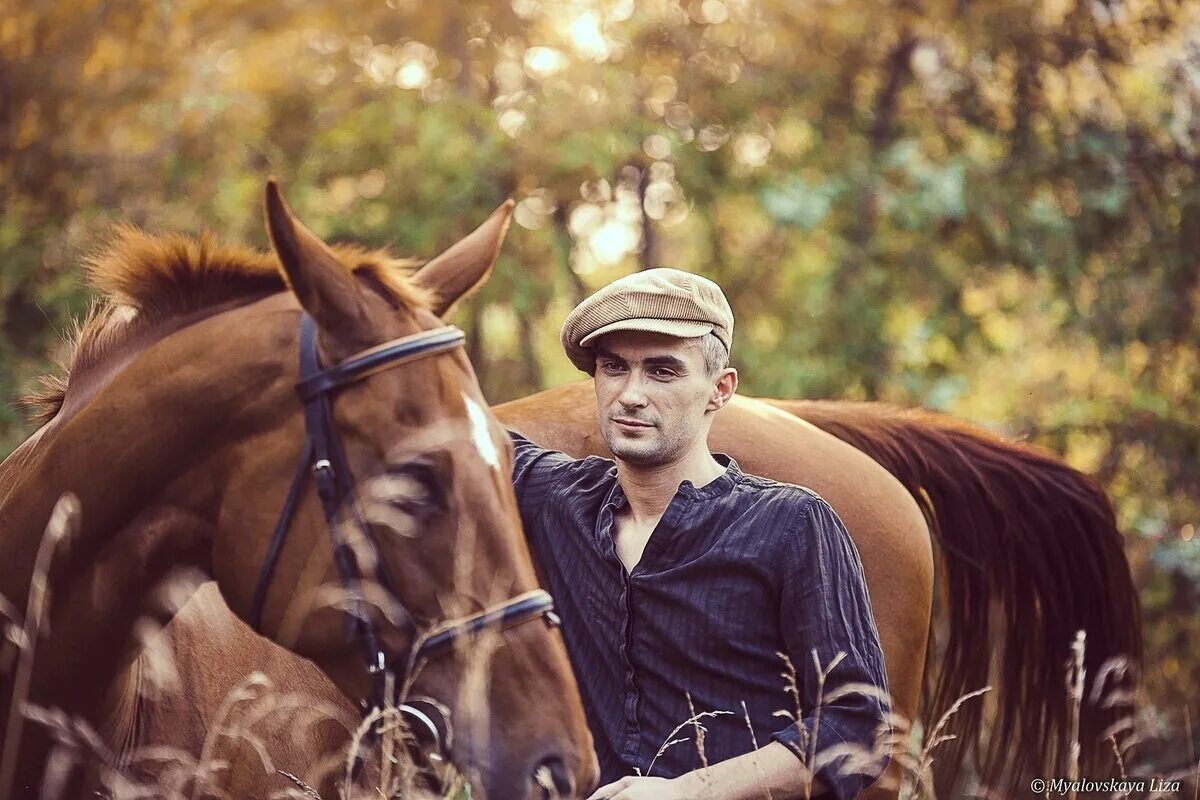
{"x": 632, "y": 393}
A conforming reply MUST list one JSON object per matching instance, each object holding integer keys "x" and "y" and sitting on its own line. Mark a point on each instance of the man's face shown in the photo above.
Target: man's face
{"x": 652, "y": 392}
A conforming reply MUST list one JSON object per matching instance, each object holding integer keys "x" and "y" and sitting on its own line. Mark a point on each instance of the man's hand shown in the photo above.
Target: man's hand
{"x": 638, "y": 788}
{"x": 774, "y": 771}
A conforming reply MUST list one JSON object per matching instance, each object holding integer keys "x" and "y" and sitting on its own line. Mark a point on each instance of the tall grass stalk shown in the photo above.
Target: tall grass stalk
{"x": 822, "y": 674}
{"x": 762, "y": 779}
{"x": 63, "y": 526}
{"x": 937, "y": 738}
{"x": 1187, "y": 722}
{"x": 1075, "y": 680}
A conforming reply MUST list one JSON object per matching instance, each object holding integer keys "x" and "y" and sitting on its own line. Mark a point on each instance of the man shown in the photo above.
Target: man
{"x": 680, "y": 580}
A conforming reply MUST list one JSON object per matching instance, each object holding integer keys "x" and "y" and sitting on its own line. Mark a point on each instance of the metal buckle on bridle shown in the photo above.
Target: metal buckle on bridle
{"x": 420, "y": 715}
{"x": 324, "y": 457}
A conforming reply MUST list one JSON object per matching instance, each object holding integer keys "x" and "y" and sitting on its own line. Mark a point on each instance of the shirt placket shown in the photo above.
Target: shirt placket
{"x": 631, "y": 735}
{"x": 632, "y": 740}
{"x": 629, "y": 751}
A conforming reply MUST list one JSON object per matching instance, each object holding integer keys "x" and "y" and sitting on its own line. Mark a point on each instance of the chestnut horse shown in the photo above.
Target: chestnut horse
{"x": 1027, "y": 553}
{"x": 179, "y": 428}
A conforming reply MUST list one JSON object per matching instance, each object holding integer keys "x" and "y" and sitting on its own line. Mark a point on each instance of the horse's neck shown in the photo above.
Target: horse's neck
{"x": 144, "y": 460}
{"x": 120, "y": 470}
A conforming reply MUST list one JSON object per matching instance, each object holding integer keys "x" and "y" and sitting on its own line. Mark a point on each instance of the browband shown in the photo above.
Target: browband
{"x": 380, "y": 357}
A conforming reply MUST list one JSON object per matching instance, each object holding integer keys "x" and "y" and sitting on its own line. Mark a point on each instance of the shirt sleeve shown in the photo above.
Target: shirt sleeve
{"x": 536, "y": 470}
{"x": 826, "y": 610}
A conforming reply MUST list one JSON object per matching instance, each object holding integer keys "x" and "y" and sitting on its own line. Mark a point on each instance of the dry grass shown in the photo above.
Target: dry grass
{"x": 245, "y": 718}
{"x": 64, "y": 522}
{"x": 181, "y": 775}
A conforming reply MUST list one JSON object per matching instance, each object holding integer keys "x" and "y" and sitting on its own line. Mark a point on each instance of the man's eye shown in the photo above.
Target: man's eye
{"x": 611, "y": 367}
{"x": 664, "y": 374}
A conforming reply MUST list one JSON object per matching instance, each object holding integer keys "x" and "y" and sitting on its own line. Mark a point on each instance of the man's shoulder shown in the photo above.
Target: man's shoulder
{"x": 770, "y": 490}
{"x": 595, "y": 466}
{"x": 790, "y": 524}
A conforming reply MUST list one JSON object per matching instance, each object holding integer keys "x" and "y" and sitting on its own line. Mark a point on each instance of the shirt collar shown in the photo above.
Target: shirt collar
{"x": 715, "y": 488}
{"x": 718, "y": 485}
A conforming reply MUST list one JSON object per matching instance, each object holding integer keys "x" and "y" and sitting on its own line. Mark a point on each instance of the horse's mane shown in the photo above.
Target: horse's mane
{"x": 146, "y": 281}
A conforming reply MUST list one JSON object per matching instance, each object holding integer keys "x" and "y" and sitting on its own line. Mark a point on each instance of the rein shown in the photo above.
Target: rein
{"x": 324, "y": 457}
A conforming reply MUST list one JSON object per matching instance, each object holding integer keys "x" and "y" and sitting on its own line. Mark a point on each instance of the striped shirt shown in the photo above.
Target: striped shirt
{"x": 736, "y": 573}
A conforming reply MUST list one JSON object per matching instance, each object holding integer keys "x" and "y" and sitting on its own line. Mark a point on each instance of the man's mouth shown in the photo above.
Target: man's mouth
{"x": 625, "y": 422}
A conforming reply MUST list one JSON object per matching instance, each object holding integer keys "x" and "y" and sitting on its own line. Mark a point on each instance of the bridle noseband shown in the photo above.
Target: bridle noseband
{"x": 325, "y": 458}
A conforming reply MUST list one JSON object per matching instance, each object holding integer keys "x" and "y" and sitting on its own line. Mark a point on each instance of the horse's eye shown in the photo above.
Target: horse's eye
{"x": 418, "y": 481}
{"x": 404, "y": 495}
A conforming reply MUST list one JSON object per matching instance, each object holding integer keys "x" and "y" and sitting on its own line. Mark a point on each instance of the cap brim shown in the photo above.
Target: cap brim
{"x": 680, "y": 328}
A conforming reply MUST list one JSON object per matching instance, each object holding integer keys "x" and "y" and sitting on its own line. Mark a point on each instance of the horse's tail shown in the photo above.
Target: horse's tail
{"x": 1026, "y": 538}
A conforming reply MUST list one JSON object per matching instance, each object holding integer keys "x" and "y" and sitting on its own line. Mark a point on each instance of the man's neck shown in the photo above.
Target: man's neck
{"x": 649, "y": 489}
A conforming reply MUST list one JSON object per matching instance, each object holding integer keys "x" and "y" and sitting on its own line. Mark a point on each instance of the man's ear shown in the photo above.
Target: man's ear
{"x": 725, "y": 388}
{"x": 467, "y": 264}
{"x": 325, "y": 288}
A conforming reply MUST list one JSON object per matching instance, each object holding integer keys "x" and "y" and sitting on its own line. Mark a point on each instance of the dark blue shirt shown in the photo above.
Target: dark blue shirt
{"x": 737, "y": 572}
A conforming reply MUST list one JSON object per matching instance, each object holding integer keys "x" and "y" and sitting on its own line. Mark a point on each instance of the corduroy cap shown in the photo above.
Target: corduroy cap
{"x": 662, "y": 300}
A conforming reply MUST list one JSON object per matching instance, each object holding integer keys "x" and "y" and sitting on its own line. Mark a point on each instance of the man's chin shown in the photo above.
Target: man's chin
{"x": 642, "y": 454}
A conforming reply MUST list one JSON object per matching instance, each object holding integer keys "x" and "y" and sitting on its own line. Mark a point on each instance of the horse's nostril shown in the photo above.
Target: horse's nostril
{"x": 554, "y": 780}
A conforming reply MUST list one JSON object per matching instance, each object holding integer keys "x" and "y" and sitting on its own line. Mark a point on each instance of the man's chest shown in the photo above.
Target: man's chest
{"x": 691, "y": 589}
{"x": 711, "y": 611}
{"x": 630, "y": 538}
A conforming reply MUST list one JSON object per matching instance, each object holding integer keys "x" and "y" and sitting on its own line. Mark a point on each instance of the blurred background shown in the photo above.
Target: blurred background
{"x": 985, "y": 207}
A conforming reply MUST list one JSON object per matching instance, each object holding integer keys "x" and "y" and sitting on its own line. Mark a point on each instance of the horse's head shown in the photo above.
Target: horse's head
{"x": 403, "y": 517}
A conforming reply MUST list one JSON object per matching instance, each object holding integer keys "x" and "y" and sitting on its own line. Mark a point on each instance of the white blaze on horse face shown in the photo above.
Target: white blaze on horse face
{"x": 481, "y": 434}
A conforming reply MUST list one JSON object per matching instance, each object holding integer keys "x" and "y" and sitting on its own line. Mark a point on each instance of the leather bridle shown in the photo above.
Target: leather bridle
{"x": 325, "y": 458}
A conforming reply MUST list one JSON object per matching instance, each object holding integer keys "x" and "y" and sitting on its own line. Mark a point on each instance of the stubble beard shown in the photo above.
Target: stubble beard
{"x": 645, "y": 452}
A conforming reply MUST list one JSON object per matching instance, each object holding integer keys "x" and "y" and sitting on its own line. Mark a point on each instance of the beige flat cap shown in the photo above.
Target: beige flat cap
{"x": 662, "y": 300}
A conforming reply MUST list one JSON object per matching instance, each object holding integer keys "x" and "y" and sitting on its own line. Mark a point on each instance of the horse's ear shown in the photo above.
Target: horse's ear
{"x": 467, "y": 264}
{"x": 325, "y": 288}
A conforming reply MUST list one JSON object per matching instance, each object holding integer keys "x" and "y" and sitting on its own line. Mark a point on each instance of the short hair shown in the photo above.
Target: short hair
{"x": 716, "y": 357}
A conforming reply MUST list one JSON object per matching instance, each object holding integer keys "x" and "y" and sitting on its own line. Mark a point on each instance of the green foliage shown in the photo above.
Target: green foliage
{"x": 991, "y": 209}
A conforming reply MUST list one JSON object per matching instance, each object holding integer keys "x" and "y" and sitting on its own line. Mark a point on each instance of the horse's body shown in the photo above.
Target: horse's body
{"x": 933, "y": 465}
{"x": 1028, "y": 553}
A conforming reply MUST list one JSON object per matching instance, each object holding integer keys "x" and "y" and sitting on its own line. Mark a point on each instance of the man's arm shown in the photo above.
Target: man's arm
{"x": 535, "y": 471}
{"x": 833, "y": 645}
